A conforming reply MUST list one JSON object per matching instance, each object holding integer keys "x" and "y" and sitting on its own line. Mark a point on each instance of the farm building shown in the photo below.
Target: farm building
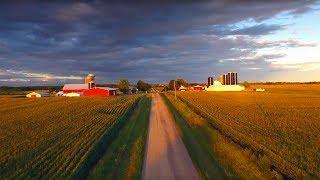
{"x": 260, "y": 90}
{"x": 182, "y": 88}
{"x": 88, "y": 88}
{"x": 72, "y": 94}
{"x": 37, "y": 94}
{"x": 69, "y": 88}
{"x": 100, "y": 91}
{"x": 217, "y": 86}
{"x": 198, "y": 88}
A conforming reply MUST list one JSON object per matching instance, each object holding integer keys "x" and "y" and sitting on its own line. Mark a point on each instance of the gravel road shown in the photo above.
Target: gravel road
{"x": 166, "y": 156}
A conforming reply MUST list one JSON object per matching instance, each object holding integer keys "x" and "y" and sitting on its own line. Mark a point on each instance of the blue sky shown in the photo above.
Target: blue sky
{"x": 56, "y": 43}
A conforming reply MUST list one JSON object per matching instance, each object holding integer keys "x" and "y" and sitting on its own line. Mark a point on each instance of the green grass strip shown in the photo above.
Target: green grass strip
{"x": 124, "y": 157}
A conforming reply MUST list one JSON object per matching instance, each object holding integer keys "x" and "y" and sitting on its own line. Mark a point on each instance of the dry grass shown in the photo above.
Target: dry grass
{"x": 285, "y": 120}
{"x": 50, "y": 137}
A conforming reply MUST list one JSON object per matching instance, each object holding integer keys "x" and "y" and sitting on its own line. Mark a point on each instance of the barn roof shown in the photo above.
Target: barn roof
{"x": 75, "y": 86}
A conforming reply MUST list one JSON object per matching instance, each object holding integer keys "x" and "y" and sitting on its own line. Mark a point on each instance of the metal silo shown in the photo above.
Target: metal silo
{"x": 210, "y": 81}
{"x": 90, "y": 80}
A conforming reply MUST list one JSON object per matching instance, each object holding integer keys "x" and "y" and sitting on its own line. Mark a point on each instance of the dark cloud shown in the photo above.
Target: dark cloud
{"x": 155, "y": 41}
{"x": 261, "y": 29}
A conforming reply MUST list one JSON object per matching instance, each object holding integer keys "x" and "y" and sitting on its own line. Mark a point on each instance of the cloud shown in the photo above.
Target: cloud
{"x": 157, "y": 41}
{"x": 75, "y": 12}
{"x": 261, "y": 29}
{"x": 304, "y": 67}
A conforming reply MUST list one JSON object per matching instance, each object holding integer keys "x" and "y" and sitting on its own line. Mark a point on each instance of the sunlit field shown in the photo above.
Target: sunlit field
{"x": 282, "y": 123}
{"x": 52, "y": 137}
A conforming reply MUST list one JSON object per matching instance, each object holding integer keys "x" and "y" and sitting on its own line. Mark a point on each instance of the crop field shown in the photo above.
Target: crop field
{"x": 282, "y": 123}
{"x": 124, "y": 158}
{"x": 52, "y": 137}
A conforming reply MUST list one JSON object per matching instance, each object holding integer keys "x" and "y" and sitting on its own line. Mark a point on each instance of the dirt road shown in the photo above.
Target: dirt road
{"x": 166, "y": 156}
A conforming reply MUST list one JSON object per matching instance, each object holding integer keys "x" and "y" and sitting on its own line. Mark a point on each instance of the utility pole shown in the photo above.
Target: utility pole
{"x": 175, "y": 90}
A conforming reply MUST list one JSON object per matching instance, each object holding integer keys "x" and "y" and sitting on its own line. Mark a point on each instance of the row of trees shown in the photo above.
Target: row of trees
{"x": 124, "y": 86}
{"x": 178, "y": 83}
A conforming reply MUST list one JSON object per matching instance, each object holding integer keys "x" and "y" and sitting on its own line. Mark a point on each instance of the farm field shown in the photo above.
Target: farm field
{"x": 281, "y": 123}
{"x": 124, "y": 157}
{"x": 53, "y": 137}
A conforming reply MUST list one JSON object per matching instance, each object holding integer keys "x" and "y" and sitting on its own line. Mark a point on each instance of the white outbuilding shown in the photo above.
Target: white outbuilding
{"x": 37, "y": 94}
{"x": 71, "y": 94}
{"x": 217, "y": 86}
{"x": 182, "y": 88}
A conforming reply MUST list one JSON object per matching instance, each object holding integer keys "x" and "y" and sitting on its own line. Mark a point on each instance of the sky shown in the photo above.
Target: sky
{"x": 53, "y": 43}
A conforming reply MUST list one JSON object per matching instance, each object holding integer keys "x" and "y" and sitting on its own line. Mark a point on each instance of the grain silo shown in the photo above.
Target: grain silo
{"x": 90, "y": 80}
{"x": 210, "y": 81}
{"x": 233, "y": 78}
{"x": 222, "y": 79}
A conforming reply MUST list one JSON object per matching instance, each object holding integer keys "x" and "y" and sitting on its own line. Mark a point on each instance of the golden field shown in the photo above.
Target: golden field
{"x": 282, "y": 123}
{"x": 51, "y": 137}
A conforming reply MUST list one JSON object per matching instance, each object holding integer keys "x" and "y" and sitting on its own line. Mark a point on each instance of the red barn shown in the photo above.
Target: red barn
{"x": 100, "y": 91}
{"x": 84, "y": 90}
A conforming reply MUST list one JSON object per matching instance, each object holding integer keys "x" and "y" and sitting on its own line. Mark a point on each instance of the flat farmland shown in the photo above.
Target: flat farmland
{"x": 282, "y": 123}
{"x": 51, "y": 137}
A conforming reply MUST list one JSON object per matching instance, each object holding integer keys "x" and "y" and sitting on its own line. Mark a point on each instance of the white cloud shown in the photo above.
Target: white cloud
{"x": 15, "y": 80}
{"x": 31, "y": 75}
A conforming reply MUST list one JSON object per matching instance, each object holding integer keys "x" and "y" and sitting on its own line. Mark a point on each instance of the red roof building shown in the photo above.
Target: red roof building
{"x": 100, "y": 91}
{"x": 84, "y": 90}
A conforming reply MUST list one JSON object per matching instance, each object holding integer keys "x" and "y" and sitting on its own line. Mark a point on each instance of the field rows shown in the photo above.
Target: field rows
{"x": 50, "y": 137}
{"x": 287, "y": 124}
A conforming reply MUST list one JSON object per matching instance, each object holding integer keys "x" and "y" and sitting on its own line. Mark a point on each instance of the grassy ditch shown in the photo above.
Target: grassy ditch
{"x": 213, "y": 154}
{"x": 124, "y": 157}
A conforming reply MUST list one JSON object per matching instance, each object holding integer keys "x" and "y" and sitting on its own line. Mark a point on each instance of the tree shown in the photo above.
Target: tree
{"x": 171, "y": 85}
{"x": 182, "y": 82}
{"x": 123, "y": 85}
{"x": 179, "y": 82}
{"x": 246, "y": 84}
{"x": 143, "y": 86}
